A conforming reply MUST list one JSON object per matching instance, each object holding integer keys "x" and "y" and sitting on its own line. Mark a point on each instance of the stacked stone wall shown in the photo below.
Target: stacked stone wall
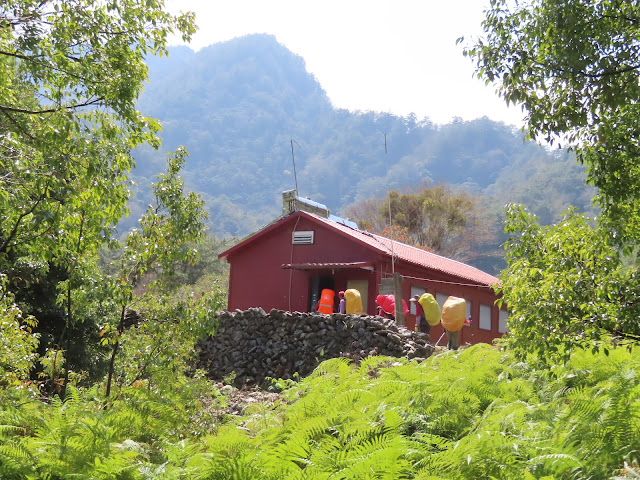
{"x": 251, "y": 345}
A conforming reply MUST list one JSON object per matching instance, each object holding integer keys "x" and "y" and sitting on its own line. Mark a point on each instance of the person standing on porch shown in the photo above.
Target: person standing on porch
{"x": 421, "y": 322}
{"x": 453, "y": 317}
{"x": 342, "y": 305}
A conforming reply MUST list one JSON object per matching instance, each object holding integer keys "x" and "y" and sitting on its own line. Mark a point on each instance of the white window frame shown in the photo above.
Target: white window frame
{"x": 484, "y": 322}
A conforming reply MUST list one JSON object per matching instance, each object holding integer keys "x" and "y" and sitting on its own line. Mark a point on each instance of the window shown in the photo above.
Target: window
{"x": 468, "y": 322}
{"x": 503, "y": 325}
{"x": 415, "y": 291}
{"x": 441, "y": 298}
{"x": 485, "y": 317}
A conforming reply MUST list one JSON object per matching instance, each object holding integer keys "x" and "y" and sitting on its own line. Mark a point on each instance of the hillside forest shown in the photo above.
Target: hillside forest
{"x": 248, "y": 109}
{"x": 119, "y": 190}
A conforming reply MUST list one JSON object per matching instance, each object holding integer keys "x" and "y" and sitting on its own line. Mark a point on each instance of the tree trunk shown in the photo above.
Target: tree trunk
{"x": 112, "y": 360}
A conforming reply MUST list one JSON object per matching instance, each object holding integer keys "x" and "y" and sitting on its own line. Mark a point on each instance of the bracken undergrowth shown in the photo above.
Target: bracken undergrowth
{"x": 475, "y": 413}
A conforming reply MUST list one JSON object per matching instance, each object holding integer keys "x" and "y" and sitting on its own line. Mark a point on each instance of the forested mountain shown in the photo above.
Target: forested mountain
{"x": 237, "y": 106}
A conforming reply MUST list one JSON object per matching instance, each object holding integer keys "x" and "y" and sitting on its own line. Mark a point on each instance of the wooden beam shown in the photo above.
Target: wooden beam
{"x": 397, "y": 282}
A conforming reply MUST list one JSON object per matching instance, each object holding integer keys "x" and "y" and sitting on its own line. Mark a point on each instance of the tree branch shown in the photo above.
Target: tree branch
{"x": 16, "y": 124}
{"x": 14, "y": 230}
{"x": 4, "y": 108}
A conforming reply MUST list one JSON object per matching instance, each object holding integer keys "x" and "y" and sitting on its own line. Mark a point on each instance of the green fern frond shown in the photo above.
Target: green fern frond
{"x": 380, "y": 457}
{"x": 370, "y": 366}
{"x": 556, "y": 462}
{"x": 13, "y": 466}
{"x": 17, "y": 453}
{"x": 347, "y": 399}
{"x": 392, "y": 387}
{"x": 334, "y": 366}
{"x": 7, "y": 431}
{"x": 72, "y": 395}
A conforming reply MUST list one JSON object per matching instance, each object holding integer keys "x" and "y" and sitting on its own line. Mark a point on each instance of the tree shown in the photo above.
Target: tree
{"x": 17, "y": 340}
{"x": 174, "y": 221}
{"x": 565, "y": 287}
{"x": 434, "y": 218}
{"x": 366, "y": 214}
{"x": 70, "y": 75}
{"x": 71, "y": 72}
{"x": 573, "y": 66}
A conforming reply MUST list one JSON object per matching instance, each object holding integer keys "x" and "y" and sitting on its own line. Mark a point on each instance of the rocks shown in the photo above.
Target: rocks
{"x": 253, "y": 345}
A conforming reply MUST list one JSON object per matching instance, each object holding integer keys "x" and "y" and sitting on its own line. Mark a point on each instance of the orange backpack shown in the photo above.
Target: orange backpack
{"x": 326, "y": 301}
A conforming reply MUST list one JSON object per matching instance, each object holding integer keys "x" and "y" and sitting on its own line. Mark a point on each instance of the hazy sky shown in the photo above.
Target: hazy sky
{"x": 397, "y": 56}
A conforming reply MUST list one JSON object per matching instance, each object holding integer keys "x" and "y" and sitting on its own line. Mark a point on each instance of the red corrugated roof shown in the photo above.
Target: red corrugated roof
{"x": 386, "y": 246}
{"x": 414, "y": 255}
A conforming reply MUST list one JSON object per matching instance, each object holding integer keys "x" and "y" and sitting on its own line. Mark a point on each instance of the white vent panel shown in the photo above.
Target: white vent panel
{"x": 302, "y": 238}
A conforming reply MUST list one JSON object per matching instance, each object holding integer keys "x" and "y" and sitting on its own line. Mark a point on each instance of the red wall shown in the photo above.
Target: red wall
{"x": 439, "y": 283}
{"x": 258, "y": 279}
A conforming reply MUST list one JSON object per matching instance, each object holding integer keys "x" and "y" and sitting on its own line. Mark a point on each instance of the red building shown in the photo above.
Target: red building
{"x": 286, "y": 265}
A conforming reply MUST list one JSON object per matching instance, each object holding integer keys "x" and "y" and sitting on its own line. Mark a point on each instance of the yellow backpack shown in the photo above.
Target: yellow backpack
{"x": 454, "y": 312}
{"x": 354, "y": 302}
{"x": 430, "y": 308}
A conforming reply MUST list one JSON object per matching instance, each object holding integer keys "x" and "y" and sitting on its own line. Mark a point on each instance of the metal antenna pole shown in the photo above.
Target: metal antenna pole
{"x": 295, "y": 176}
{"x": 385, "y": 139}
{"x": 393, "y": 270}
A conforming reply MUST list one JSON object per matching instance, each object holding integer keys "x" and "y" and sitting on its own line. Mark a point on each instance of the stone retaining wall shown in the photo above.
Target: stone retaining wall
{"x": 255, "y": 345}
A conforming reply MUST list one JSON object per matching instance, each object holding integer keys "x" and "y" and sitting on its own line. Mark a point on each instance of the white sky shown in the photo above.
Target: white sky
{"x": 397, "y": 56}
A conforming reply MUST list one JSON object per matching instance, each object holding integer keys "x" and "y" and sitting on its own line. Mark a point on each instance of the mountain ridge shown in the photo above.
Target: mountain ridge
{"x": 239, "y": 106}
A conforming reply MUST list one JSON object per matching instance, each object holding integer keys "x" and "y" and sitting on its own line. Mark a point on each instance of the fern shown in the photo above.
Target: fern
{"x": 475, "y": 413}
{"x": 603, "y": 420}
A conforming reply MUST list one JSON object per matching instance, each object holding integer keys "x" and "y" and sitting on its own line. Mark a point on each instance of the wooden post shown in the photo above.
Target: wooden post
{"x": 397, "y": 283}
{"x": 387, "y": 287}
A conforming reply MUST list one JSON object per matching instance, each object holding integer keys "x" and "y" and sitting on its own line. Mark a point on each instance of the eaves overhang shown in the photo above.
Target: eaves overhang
{"x": 328, "y": 265}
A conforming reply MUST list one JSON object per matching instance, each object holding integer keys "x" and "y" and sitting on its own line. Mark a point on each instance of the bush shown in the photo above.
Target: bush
{"x": 565, "y": 288}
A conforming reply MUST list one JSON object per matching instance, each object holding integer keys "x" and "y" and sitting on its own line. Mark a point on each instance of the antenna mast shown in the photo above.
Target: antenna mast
{"x": 295, "y": 176}
{"x": 393, "y": 258}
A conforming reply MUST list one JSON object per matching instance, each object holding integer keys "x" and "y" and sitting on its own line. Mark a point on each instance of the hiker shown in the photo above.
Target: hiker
{"x": 386, "y": 305}
{"x": 454, "y": 313}
{"x": 421, "y": 321}
{"x": 342, "y": 305}
{"x": 453, "y": 339}
{"x": 430, "y": 311}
